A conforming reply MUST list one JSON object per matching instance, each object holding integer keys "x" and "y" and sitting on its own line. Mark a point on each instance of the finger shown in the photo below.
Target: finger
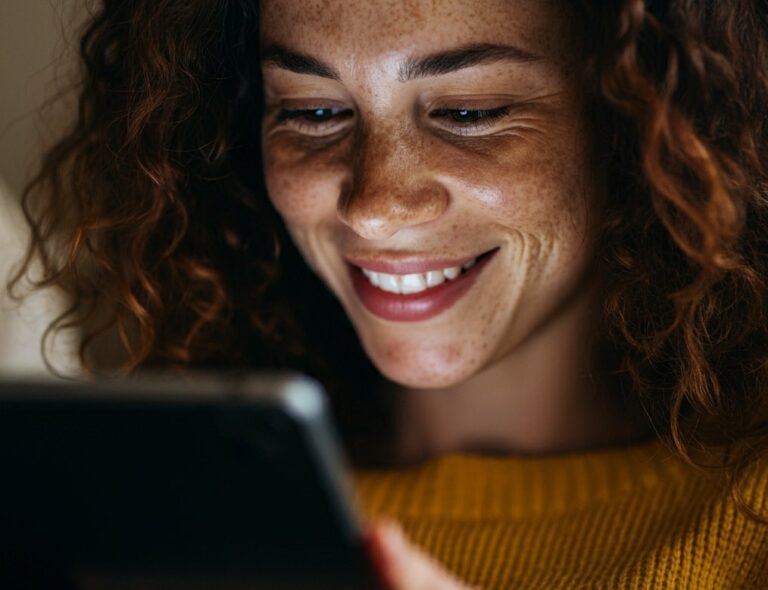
{"x": 405, "y": 566}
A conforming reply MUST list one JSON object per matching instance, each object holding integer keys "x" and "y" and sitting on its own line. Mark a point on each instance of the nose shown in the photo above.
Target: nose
{"x": 389, "y": 187}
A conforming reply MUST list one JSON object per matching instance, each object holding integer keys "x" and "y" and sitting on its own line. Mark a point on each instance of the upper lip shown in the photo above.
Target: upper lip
{"x": 402, "y": 264}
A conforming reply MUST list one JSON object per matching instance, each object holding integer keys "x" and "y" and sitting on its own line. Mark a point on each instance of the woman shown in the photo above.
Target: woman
{"x": 542, "y": 222}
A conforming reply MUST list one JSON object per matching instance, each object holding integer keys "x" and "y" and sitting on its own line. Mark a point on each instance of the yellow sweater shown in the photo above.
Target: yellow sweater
{"x": 631, "y": 517}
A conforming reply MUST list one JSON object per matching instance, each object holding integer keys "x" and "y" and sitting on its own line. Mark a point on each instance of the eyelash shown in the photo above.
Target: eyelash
{"x": 482, "y": 118}
{"x": 300, "y": 117}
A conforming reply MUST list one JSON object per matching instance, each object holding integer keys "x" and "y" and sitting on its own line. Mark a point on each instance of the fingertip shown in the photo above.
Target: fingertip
{"x": 382, "y": 527}
{"x": 383, "y": 556}
{"x": 390, "y": 533}
{"x": 386, "y": 539}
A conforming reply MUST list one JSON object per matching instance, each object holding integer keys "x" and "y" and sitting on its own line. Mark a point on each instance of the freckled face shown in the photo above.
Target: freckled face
{"x": 374, "y": 153}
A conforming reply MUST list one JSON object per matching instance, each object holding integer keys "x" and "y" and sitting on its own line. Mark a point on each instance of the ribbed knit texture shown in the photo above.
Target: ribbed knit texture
{"x": 633, "y": 517}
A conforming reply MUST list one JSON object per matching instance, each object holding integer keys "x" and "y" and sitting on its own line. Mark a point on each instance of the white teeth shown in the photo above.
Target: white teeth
{"x": 452, "y": 273}
{"x": 372, "y": 276}
{"x": 389, "y": 283}
{"x": 415, "y": 282}
{"x": 435, "y": 278}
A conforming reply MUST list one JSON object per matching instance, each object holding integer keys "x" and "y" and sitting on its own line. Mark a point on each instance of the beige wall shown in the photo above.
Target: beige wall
{"x": 22, "y": 323}
{"x": 34, "y": 50}
{"x": 36, "y": 57}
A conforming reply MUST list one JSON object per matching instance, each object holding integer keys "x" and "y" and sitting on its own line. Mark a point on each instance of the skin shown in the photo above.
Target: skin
{"x": 395, "y": 182}
{"x": 509, "y": 367}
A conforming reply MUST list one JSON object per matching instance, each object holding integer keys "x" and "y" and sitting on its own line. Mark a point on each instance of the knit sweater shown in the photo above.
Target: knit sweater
{"x": 632, "y": 517}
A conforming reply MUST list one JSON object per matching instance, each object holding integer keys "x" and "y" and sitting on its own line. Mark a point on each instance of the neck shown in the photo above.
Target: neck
{"x": 545, "y": 396}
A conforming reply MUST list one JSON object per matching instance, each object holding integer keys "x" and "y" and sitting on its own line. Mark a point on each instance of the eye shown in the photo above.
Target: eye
{"x": 469, "y": 121}
{"x": 315, "y": 121}
{"x": 312, "y": 115}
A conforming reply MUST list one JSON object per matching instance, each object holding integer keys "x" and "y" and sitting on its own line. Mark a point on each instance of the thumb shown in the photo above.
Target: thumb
{"x": 404, "y": 566}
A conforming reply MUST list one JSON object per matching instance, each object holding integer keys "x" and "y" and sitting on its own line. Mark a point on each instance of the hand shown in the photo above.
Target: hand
{"x": 404, "y": 566}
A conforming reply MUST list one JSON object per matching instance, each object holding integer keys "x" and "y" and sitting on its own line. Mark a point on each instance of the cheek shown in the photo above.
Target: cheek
{"x": 303, "y": 190}
{"x": 532, "y": 188}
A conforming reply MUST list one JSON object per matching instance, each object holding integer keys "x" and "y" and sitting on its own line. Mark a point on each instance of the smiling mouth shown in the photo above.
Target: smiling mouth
{"x": 419, "y": 282}
{"x": 415, "y": 296}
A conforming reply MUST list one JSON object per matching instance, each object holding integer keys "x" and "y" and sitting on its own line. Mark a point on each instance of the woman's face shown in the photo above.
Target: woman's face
{"x": 406, "y": 139}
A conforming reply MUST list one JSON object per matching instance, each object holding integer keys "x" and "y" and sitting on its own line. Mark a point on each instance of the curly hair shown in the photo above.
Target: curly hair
{"x": 151, "y": 214}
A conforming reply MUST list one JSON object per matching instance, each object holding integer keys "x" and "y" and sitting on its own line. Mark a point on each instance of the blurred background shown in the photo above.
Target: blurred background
{"x": 38, "y": 49}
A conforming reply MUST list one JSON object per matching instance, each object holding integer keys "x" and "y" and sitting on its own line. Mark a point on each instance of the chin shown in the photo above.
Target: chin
{"x": 424, "y": 366}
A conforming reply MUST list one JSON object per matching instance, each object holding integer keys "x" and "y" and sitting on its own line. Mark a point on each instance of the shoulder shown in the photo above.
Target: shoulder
{"x": 726, "y": 531}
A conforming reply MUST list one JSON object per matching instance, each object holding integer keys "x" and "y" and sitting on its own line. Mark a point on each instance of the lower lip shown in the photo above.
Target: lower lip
{"x": 416, "y": 307}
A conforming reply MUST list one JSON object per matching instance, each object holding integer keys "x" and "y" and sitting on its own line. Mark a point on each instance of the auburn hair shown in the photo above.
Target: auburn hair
{"x": 150, "y": 212}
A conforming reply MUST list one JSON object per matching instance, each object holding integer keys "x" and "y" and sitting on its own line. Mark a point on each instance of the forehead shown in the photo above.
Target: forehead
{"x": 372, "y": 28}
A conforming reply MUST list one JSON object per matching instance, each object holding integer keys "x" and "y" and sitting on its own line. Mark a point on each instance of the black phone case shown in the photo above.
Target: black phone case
{"x": 161, "y": 483}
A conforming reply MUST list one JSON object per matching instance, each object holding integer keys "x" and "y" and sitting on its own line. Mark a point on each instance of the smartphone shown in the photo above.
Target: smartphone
{"x": 201, "y": 481}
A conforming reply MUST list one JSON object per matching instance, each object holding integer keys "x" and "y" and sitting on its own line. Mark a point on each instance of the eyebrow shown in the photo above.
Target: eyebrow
{"x": 434, "y": 64}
